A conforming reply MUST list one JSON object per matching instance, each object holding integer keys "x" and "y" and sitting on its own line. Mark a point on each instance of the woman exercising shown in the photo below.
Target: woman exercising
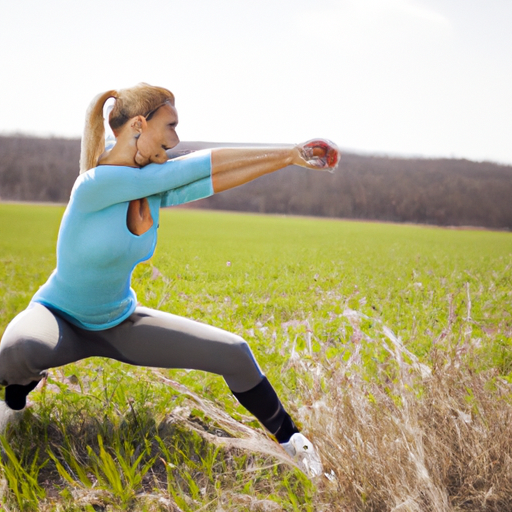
{"x": 87, "y": 307}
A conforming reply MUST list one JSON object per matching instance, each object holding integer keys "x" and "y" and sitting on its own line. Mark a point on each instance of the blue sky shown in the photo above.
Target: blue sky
{"x": 407, "y": 77}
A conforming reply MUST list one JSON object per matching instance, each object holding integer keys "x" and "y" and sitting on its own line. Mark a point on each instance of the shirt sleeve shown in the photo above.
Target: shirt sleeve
{"x": 192, "y": 192}
{"x": 180, "y": 180}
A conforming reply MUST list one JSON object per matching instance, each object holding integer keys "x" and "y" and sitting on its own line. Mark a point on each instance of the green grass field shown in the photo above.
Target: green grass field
{"x": 390, "y": 344}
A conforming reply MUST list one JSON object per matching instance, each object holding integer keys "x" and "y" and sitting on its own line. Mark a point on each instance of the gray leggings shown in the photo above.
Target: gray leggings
{"x": 38, "y": 339}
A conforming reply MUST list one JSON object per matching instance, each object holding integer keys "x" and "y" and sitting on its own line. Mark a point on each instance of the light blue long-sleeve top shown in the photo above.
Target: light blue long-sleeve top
{"x": 96, "y": 252}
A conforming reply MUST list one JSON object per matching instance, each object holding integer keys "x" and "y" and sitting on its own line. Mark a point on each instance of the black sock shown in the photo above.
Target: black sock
{"x": 16, "y": 395}
{"x": 263, "y": 402}
{"x": 286, "y": 430}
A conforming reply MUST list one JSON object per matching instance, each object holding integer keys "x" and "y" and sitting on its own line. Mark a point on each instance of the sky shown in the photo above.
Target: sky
{"x": 428, "y": 78}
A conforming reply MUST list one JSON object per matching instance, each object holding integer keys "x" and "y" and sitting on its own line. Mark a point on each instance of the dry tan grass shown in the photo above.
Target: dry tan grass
{"x": 425, "y": 440}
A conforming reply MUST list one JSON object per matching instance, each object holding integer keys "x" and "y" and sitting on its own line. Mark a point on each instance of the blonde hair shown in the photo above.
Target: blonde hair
{"x": 140, "y": 100}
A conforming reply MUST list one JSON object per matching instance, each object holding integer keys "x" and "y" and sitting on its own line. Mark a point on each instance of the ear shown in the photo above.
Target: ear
{"x": 138, "y": 124}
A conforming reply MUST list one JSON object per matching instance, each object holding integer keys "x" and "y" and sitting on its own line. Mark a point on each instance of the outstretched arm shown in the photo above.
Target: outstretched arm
{"x": 232, "y": 167}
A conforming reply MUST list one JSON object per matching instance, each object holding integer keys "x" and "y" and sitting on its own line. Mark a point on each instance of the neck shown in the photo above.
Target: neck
{"x": 123, "y": 153}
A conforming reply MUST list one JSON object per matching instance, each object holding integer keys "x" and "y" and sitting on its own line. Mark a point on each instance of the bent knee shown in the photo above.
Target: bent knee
{"x": 243, "y": 367}
{"x": 21, "y": 352}
{"x": 239, "y": 348}
{"x": 241, "y": 355}
{"x": 16, "y": 362}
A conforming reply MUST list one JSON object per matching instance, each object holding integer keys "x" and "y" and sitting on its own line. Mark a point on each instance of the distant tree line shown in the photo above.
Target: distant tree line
{"x": 35, "y": 169}
{"x": 444, "y": 192}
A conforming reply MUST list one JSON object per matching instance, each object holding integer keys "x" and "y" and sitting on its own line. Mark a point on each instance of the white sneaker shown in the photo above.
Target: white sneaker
{"x": 302, "y": 450}
{"x": 7, "y": 417}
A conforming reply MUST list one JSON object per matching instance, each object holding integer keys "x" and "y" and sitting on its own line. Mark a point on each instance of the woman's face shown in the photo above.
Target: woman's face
{"x": 158, "y": 135}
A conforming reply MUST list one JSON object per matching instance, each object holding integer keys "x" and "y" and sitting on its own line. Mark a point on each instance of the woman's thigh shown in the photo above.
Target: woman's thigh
{"x": 159, "y": 339}
{"x": 34, "y": 341}
{"x": 37, "y": 339}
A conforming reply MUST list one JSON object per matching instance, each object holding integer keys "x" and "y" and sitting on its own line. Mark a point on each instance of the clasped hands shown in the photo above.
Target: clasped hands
{"x": 320, "y": 154}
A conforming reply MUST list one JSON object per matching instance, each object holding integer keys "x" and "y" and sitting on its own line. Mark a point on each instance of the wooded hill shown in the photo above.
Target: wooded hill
{"x": 445, "y": 192}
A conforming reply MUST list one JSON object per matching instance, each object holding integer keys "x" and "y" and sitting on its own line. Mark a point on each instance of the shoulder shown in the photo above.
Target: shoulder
{"x": 98, "y": 174}
{"x": 95, "y": 188}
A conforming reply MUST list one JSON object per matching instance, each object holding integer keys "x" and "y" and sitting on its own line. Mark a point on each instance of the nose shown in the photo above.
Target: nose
{"x": 173, "y": 140}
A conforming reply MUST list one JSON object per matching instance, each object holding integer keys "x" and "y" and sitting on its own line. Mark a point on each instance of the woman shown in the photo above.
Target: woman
{"x": 87, "y": 307}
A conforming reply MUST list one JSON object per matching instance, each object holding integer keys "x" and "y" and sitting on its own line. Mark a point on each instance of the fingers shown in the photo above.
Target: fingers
{"x": 319, "y": 154}
{"x": 141, "y": 160}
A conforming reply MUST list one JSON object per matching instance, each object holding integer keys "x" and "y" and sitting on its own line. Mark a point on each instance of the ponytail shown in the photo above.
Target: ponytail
{"x": 142, "y": 99}
{"x": 93, "y": 139}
